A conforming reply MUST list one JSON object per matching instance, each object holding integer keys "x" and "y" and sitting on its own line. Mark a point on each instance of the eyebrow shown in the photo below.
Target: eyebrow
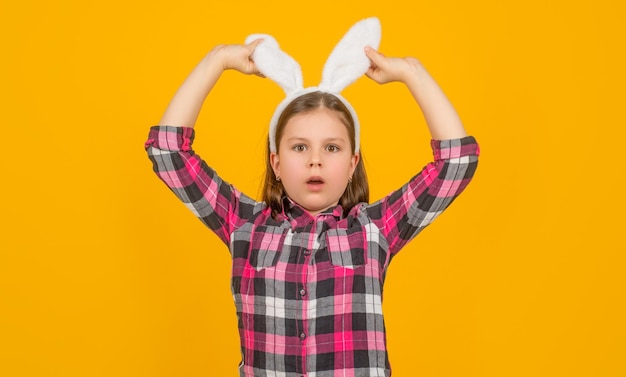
{"x": 327, "y": 140}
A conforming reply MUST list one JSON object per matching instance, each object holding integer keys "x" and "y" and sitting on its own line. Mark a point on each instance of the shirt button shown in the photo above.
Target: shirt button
{"x": 303, "y": 292}
{"x": 307, "y": 252}
{"x": 302, "y": 336}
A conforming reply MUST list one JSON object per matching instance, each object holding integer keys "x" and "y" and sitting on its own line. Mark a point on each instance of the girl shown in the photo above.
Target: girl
{"x": 309, "y": 261}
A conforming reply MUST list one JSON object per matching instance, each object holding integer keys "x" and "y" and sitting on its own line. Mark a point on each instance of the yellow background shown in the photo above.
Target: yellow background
{"x": 104, "y": 273}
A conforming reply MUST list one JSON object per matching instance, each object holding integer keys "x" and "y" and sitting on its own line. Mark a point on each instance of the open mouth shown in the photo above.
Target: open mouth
{"x": 315, "y": 182}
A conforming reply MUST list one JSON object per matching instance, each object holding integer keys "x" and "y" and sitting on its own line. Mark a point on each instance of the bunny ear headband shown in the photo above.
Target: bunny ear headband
{"x": 345, "y": 64}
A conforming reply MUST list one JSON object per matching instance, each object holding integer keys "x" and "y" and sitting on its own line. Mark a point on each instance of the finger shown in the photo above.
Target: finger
{"x": 376, "y": 57}
{"x": 252, "y": 68}
{"x": 371, "y": 73}
{"x": 252, "y": 45}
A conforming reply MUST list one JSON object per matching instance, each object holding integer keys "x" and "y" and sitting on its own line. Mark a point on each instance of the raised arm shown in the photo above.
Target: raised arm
{"x": 441, "y": 117}
{"x": 405, "y": 212}
{"x": 169, "y": 146}
{"x": 185, "y": 106}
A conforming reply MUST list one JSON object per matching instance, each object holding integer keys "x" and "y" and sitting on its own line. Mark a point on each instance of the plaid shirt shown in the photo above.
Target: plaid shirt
{"x": 308, "y": 290}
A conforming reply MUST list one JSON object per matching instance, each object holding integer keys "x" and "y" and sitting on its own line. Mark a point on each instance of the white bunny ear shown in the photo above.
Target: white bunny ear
{"x": 348, "y": 61}
{"x": 345, "y": 64}
{"x": 275, "y": 64}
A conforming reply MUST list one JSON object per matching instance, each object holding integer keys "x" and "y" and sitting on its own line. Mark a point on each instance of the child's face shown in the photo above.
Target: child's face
{"x": 314, "y": 159}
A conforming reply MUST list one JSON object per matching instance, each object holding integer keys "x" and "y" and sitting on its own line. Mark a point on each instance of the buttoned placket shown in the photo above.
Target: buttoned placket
{"x": 310, "y": 243}
{"x": 306, "y": 233}
{"x": 306, "y": 263}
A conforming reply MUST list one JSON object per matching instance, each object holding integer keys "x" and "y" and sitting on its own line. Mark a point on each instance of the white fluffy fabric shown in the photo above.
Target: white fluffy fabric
{"x": 275, "y": 64}
{"x": 346, "y": 63}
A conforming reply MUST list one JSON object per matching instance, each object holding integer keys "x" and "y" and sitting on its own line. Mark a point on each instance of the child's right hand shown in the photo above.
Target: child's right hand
{"x": 184, "y": 108}
{"x": 237, "y": 57}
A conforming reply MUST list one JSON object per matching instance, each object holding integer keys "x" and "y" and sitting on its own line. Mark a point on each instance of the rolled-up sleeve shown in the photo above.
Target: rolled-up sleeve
{"x": 215, "y": 202}
{"x": 405, "y": 212}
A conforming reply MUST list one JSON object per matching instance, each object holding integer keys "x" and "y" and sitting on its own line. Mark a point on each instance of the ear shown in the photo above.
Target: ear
{"x": 354, "y": 161}
{"x": 275, "y": 162}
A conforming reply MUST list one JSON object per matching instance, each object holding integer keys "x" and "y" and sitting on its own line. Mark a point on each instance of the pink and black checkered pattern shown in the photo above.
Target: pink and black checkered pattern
{"x": 308, "y": 290}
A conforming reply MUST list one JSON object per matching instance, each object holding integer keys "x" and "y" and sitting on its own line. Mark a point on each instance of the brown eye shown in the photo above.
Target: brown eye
{"x": 299, "y": 148}
{"x": 332, "y": 148}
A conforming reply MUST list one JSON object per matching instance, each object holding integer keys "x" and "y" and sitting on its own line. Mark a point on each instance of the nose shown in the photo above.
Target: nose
{"x": 315, "y": 160}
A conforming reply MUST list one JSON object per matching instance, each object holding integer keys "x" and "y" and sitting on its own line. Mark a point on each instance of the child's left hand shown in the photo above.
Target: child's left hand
{"x": 387, "y": 69}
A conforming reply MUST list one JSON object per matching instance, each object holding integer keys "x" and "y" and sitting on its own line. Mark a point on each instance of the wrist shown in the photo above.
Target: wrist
{"x": 215, "y": 60}
{"x": 415, "y": 74}
{"x": 414, "y": 71}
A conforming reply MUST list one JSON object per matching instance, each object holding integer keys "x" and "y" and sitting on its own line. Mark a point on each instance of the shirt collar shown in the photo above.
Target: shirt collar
{"x": 298, "y": 216}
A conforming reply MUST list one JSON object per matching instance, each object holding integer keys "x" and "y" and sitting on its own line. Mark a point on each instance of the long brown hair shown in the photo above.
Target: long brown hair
{"x": 356, "y": 192}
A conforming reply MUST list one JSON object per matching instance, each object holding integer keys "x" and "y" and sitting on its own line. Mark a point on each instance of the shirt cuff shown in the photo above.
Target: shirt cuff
{"x": 455, "y": 148}
{"x": 170, "y": 138}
